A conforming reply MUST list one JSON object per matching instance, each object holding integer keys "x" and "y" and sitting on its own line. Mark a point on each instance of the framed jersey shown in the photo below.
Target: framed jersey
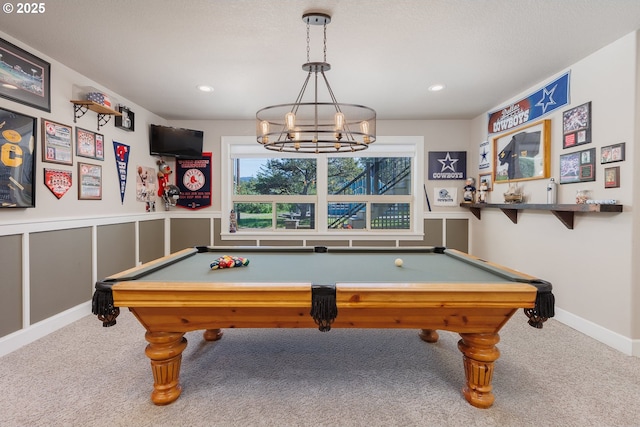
{"x": 17, "y": 159}
{"x": 523, "y": 153}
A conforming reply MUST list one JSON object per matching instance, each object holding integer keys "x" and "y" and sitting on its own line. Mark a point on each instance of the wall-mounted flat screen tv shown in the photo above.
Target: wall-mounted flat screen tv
{"x": 175, "y": 142}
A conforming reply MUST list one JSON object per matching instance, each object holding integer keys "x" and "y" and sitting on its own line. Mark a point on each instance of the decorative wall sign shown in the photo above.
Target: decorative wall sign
{"x": 193, "y": 178}
{"x": 57, "y": 143}
{"x": 538, "y": 104}
{"x": 127, "y": 120}
{"x": 58, "y": 181}
{"x": 89, "y": 181}
{"x": 484, "y": 162}
{"x": 122, "y": 161}
{"x": 24, "y": 78}
{"x": 576, "y": 126}
{"x": 445, "y": 196}
{"x": 578, "y": 167}
{"x": 17, "y": 160}
{"x": 444, "y": 165}
{"x": 612, "y": 153}
{"x": 523, "y": 154}
{"x": 612, "y": 177}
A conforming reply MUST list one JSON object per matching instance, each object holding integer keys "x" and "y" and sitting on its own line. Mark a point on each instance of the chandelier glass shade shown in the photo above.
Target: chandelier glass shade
{"x": 312, "y": 126}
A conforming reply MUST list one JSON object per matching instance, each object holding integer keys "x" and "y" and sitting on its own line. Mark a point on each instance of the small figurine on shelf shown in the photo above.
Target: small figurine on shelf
{"x": 168, "y": 192}
{"x": 469, "y": 190}
{"x": 482, "y": 194}
{"x": 233, "y": 223}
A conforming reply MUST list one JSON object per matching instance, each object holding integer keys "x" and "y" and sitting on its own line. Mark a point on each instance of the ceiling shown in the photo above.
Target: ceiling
{"x": 383, "y": 53}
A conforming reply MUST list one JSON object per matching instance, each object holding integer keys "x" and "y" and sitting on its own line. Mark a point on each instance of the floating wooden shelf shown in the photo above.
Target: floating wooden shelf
{"x": 564, "y": 213}
{"x": 104, "y": 113}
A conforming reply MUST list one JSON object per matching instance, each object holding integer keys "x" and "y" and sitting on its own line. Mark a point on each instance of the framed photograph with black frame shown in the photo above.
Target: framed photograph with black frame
{"x": 579, "y": 166}
{"x": 523, "y": 154}
{"x": 576, "y": 126}
{"x": 127, "y": 120}
{"x": 18, "y": 165}
{"x": 612, "y": 177}
{"x": 24, "y": 78}
{"x": 612, "y": 153}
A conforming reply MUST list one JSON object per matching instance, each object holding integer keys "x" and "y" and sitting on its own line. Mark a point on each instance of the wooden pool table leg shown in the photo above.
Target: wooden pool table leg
{"x": 479, "y": 354}
{"x": 165, "y": 351}
{"x": 212, "y": 334}
{"x": 429, "y": 335}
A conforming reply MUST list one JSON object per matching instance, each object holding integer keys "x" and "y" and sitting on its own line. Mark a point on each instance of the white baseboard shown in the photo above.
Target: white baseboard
{"x": 619, "y": 342}
{"x": 38, "y": 330}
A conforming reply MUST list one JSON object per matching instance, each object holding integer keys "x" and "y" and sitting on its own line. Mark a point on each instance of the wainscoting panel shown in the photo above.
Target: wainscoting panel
{"x": 116, "y": 245}
{"x": 60, "y": 271}
{"x": 458, "y": 234}
{"x": 11, "y": 285}
{"x": 151, "y": 238}
{"x": 189, "y": 232}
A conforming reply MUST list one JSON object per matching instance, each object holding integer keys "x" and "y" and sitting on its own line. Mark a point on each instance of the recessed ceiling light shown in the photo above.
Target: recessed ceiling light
{"x": 205, "y": 88}
{"x": 436, "y": 88}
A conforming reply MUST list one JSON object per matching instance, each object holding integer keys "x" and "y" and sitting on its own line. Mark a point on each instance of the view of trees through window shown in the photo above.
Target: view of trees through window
{"x": 361, "y": 193}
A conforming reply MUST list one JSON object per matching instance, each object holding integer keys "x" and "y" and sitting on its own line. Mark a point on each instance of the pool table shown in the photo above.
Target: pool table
{"x": 306, "y": 287}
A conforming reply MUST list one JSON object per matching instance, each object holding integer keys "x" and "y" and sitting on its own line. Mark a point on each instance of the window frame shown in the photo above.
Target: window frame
{"x": 233, "y": 147}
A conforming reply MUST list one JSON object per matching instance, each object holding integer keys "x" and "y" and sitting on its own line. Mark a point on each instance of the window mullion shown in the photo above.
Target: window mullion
{"x": 322, "y": 171}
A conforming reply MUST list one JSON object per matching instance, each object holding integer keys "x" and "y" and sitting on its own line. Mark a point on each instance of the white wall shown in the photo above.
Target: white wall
{"x": 592, "y": 266}
{"x": 65, "y": 84}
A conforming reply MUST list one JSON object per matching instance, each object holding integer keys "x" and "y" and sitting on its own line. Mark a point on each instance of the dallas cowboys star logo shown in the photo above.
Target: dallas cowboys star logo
{"x": 483, "y": 156}
{"x": 448, "y": 163}
{"x": 547, "y": 94}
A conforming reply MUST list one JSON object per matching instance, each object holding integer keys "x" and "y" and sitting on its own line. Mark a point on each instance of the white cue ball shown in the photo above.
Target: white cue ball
{"x": 398, "y": 262}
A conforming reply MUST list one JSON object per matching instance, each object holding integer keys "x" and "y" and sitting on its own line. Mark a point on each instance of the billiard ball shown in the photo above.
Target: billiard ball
{"x": 398, "y": 262}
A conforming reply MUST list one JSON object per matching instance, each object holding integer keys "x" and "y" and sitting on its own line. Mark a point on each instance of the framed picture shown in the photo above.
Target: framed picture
{"x": 612, "y": 153}
{"x": 18, "y": 160}
{"x": 89, "y": 181}
{"x": 58, "y": 181}
{"x": 576, "y": 126}
{"x": 89, "y": 144}
{"x": 578, "y": 167}
{"x": 487, "y": 178}
{"x": 127, "y": 120}
{"x": 57, "y": 145}
{"x": 24, "y": 78}
{"x": 523, "y": 154}
{"x": 612, "y": 177}
{"x": 85, "y": 143}
{"x": 99, "y": 146}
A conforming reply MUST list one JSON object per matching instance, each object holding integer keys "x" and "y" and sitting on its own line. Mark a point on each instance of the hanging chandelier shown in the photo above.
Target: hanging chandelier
{"x": 311, "y": 126}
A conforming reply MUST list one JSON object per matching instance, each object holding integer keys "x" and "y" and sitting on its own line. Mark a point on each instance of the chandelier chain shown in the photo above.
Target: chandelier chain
{"x": 325, "y": 42}
{"x": 308, "y": 41}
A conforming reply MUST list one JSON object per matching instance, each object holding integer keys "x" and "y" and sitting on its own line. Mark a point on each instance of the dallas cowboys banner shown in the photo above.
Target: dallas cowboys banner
{"x": 447, "y": 165}
{"x": 549, "y": 98}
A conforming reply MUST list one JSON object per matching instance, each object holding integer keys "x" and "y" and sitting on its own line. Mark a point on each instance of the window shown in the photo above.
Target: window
{"x": 376, "y": 192}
